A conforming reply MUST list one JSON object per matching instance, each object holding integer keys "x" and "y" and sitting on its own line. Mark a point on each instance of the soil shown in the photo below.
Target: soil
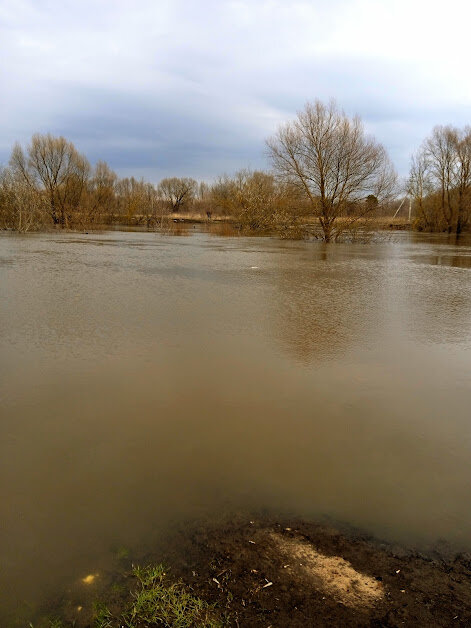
{"x": 296, "y": 573}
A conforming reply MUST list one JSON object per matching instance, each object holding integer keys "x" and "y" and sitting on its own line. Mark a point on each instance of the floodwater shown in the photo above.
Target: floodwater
{"x": 148, "y": 379}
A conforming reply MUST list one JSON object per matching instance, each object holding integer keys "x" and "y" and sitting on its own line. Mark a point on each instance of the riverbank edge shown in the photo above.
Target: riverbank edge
{"x": 263, "y": 571}
{"x": 172, "y": 220}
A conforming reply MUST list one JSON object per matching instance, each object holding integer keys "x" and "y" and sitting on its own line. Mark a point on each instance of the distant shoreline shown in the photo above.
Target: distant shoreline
{"x": 378, "y": 224}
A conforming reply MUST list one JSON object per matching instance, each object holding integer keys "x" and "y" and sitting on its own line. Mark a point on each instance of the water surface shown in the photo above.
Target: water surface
{"x": 149, "y": 379}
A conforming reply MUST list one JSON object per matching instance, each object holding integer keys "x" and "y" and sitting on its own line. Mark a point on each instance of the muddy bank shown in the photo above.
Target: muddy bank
{"x": 294, "y": 573}
{"x": 259, "y": 572}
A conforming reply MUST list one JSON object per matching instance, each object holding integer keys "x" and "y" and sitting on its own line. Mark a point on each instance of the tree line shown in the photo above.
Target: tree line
{"x": 328, "y": 178}
{"x": 51, "y": 183}
{"x": 440, "y": 180}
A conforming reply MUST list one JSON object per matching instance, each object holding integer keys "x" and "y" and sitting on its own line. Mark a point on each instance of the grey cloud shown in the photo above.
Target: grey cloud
{"x": 151, "y": 134}
{"x": 185, "y": 88}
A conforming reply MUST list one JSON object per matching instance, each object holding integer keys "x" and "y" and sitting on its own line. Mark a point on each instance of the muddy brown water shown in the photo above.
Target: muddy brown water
{"x": 146, "y": 380}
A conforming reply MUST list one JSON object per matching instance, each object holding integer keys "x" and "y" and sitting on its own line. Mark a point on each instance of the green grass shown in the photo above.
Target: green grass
{"x": 159, "y": 602}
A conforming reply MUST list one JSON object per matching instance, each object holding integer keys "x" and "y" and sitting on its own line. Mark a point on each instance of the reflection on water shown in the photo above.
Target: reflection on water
{"x": 458, "y": 261}
{"x": 146, "y": 379}
{"x": 449, "y": 250}
{"x": 326, "y": 301}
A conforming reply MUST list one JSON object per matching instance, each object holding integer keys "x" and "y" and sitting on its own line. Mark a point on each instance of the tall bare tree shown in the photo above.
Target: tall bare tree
{"x": 463, "y": 151}
{"x": 440, "y": 152}
{"x": 101, "y": 192}
{"x": 55, "y": 165}
{"x": 178, "y": 192}
{"x": 133, "y": 198}
{"x": 440, "y": 180}
{"x": 419, "y": 187}
{"x": 334, "y": 164}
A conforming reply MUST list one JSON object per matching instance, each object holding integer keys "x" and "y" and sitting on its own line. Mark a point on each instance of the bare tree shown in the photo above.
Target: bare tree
{"x": 222, "y": 195}
{"x": 419, "y": 187}
{"x": 101, "y": 192}
{"x": 440, "y": 152}
{"x": 55, "y": 165}
{"x": 202, "y": 201}
{"x": 204, "y": 191}
{"x": 328, "y": 157}
{"x": 463, "y": 151}
{"x": 153, "y": 210}
{"x": 178, "y": 192}
{"x": 136, "y": 200}
{"x": 257, "y": 201}
{"x": 22, "y": 208}
{"x": 253, "y": 199}
{"x": 440, "y": 180}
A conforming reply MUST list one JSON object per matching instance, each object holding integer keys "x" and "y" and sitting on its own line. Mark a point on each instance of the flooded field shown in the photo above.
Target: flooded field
{"x": 146, "y": 380}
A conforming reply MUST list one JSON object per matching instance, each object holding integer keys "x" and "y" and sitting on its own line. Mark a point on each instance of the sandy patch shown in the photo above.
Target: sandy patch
{"x": 332, "y": 575}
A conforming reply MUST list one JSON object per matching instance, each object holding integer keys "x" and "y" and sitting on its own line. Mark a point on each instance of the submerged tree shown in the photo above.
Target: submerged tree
{"x": 440, "y": 154}
{"x": 54, "y": 165}
{"x": 249, "y": 197}
{"x": 258, "y": 202}
{"x": 22, "y": 208}
{"x": 463, "y": 179}
{"x": 334, "y": 164}
{"x": 440, "y": 180}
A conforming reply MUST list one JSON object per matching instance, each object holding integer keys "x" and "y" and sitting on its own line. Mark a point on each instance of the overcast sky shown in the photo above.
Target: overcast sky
{"x": 193, "y": 88}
